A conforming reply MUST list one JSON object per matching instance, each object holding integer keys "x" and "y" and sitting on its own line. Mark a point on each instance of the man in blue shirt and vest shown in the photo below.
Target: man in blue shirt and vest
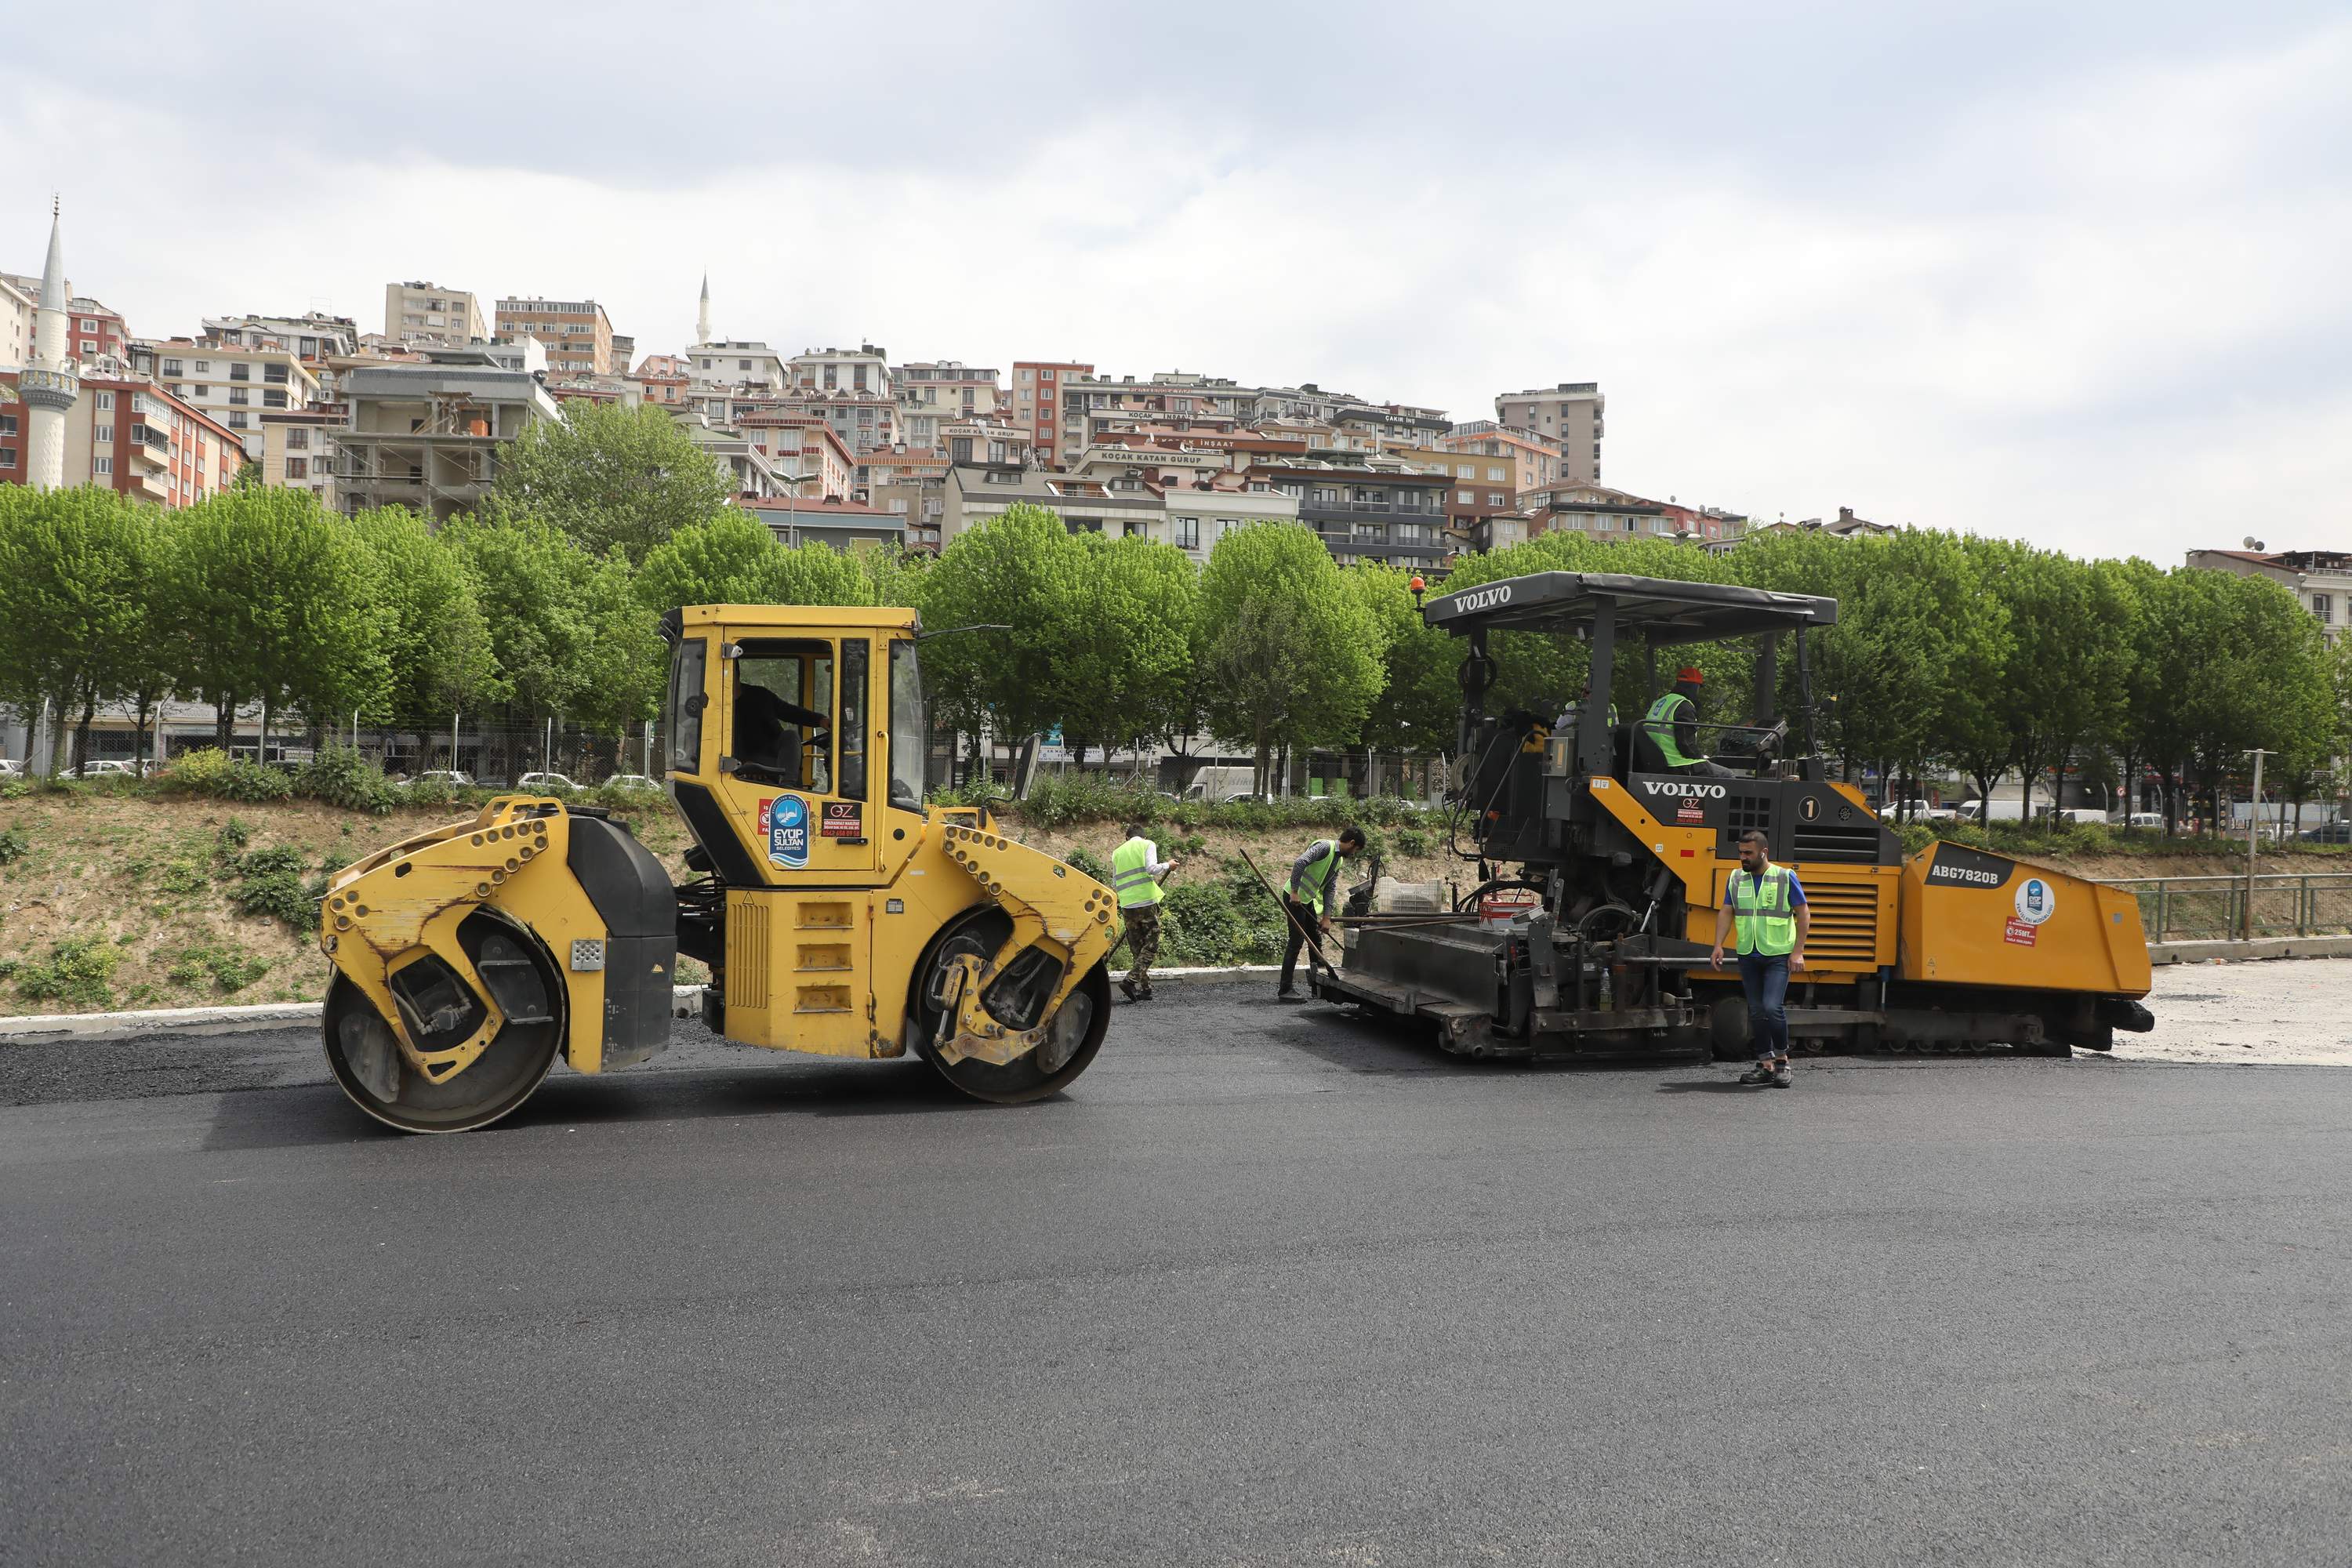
{"x": 1134, "y": 872}
{"x": 1767, "y": 906}
{"x": 1314, "y": 890}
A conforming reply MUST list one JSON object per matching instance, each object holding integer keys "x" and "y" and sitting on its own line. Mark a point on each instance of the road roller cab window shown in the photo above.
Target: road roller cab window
{"x": 783, "y": 714}
{"x": 910, "y": 734}
{"x": 683, "y": 712}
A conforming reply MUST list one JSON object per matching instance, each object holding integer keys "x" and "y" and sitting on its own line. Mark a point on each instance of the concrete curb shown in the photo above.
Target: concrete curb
{"x": 686, "y": 1001}
{"x": 2240, "y": 951}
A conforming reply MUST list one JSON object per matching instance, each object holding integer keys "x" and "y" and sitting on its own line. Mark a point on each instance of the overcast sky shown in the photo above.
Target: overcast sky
{"x": 2071, "y": 272}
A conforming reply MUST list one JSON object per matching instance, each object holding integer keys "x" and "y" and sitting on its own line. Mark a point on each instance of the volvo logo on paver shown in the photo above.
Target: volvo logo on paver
{"x": 1689, "y": 790}
{"x": 1483, "y": 598}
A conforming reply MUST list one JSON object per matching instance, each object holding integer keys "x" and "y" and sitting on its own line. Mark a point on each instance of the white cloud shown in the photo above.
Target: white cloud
{"x": 2045, "y": 286}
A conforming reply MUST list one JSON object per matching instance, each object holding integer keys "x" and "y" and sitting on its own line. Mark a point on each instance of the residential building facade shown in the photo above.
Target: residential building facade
{"x": 1388, "y": 512}
{"x": 931, "y": 392}
{"x": 298, "y": 452}
{"x": 2321, "y": 580}
{"x": 313, "y": 339}
{"x": 131, "y": 435}
{"x": 425, "y": 435}
{"x": 842, "y": 524}
{"x": 1570, "y": 413}
{"x": 236, "y": 385}
{"x": 576, "y": 334}
{"x": 1037, "y": 406}
{"x": 428, "y": 314}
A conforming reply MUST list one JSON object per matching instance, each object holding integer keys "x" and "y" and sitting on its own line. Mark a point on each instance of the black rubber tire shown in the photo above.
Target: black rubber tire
{"x": 514, "y": 1065}
{"x": 1728, "y": 1033}
{"x": 1021, "y": 1081}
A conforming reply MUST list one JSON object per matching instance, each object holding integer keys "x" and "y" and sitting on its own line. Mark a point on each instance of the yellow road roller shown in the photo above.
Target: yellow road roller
{"x": 838, "y": 914}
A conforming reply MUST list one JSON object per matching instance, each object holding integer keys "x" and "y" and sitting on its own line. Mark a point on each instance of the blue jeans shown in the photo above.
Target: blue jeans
{"x": 1765, "y": 978}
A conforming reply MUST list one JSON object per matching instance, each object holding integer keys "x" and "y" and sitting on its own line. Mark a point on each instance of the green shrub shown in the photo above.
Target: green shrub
{"x": 78, "y": 970}
{"x": 338, "y": 775}
{"x": 233, "y": 833}
{"x": 431, "y": 793}
{"x": 209, "y": 772}
{"x": 1087, "y": 863}
{"x": 229, "y": 967}
{"x": 16, "y": 789}
{"x": 13, "y": 845}
{"x": 270, "y": 882}
{"x": 186, "y": 876}
{"x": 1413, "y": 843}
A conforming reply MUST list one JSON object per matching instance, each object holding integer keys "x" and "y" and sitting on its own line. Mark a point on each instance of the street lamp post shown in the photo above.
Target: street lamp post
{"x": 2253, "y": 836}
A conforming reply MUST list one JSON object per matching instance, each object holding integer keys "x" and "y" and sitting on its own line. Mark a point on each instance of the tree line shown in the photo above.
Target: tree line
{"x": 1984, "y": 654}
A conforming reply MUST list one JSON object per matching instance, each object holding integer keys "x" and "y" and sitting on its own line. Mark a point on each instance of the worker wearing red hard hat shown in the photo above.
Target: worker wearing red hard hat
{"x": 1671, "y": 729}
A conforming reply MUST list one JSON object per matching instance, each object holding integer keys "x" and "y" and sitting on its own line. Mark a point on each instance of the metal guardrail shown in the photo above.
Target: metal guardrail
{"x": 2285, "y": 903}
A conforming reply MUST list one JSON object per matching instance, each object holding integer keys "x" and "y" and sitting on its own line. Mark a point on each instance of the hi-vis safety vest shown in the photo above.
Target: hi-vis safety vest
{"x": 1315, "y": 882}
{"x": 1766, "y": 920}
{"x": 1660, "y": 723}
{"x": 1130, "y": 875}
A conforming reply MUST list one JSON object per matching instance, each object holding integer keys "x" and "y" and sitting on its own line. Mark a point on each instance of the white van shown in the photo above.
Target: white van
{"x": 2004, "y": 809}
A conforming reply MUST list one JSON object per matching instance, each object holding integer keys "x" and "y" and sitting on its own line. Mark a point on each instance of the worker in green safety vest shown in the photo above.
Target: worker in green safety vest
{"x": 1307, "y": 900}
{"x": 1765, "y": 904}
{"x": 1136, "y": 870}
{"x": 1671, "y": 729}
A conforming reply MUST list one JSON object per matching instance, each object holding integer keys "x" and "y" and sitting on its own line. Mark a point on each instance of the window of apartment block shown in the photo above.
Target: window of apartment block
{"x": 297, "y": 468}
{"x": 7, "y": 456}
{"x": 7, "y": 425}
{"x": 1494, "y": 497}
{"x": 104, "y": 465}
{"x": 297, "y": 440}
{"x": 2324, "y": 606}
{"x": 102, "y": 433}
{"x": 238, "y": 394}
{"x": 106, "y": 403}
{"x": 171, "y": 367}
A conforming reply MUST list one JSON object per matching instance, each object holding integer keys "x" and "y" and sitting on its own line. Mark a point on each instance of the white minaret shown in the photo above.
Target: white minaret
{"x": 703, "y": 322}
{"x": 48, "y": 386}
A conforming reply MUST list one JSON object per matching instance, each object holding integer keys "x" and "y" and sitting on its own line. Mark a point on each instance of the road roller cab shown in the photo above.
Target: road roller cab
{"x": 836, "y": 912}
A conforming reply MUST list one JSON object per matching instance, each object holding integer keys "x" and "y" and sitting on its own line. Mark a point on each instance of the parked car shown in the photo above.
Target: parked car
{"x": 634, "y": 781}
{"x": 456, "y": 778}
{"x": 546, "y": 783}
{"x": 109, "y": 768}
{"x": 2078, "y": 816}
{"x": 2326, "y": 833}
{"x": 10, "y": 768}
{"x": 2145, "y": 819}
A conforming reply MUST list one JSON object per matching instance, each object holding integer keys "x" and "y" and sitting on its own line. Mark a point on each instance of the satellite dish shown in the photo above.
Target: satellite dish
{"x": 2252, "y": 543}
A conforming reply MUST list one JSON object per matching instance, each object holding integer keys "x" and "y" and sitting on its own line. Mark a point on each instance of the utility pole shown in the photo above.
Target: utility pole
{"x": 2253, "y": 836}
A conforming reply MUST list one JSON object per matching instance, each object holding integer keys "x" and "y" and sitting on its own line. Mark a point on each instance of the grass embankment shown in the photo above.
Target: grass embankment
{"x": 124, "y": 893}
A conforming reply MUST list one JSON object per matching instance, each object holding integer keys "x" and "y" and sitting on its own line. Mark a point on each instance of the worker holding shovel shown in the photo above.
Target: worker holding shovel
{"x": 1308, "y": 901}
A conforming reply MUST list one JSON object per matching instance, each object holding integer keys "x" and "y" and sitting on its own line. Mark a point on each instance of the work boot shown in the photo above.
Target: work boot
{"x": 1287, "y": 995}
{"x": 1756, "y": 1076}
{"x": 1780, "y": 1078}
{"x": 1126, "y": 983}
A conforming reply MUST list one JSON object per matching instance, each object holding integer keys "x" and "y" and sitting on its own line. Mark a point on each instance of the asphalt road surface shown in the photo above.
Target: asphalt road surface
{"x": 1266, "y": 1287}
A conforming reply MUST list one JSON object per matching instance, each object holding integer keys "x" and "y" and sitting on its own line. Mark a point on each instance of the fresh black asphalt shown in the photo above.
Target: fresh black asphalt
{"x": 1268, "y": 1285}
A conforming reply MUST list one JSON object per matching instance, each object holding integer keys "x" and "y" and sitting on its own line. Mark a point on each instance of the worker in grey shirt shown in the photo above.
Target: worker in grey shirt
{"x": 1308, "y": 900}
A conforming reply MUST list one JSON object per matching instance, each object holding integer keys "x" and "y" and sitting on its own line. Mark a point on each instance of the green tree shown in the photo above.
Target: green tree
{"x": 71, "y": 563}
{"x": 622, "y": 659}
{"x": 436, "y": 643}
{"x": 1293, "y": 657}
{"x": 1124, "y": 640}
{"x": 728, "y": 559}
{"x": 1419, "y": 700}
{"x": 277, "y": 602}
{"x": 530, "y": 579}
{"x": 1020, "y": 571}
{"x": 611, "y": 478}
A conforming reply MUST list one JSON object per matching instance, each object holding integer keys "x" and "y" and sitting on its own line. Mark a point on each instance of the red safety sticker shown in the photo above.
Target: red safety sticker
{"x": 2019, "y": 932}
